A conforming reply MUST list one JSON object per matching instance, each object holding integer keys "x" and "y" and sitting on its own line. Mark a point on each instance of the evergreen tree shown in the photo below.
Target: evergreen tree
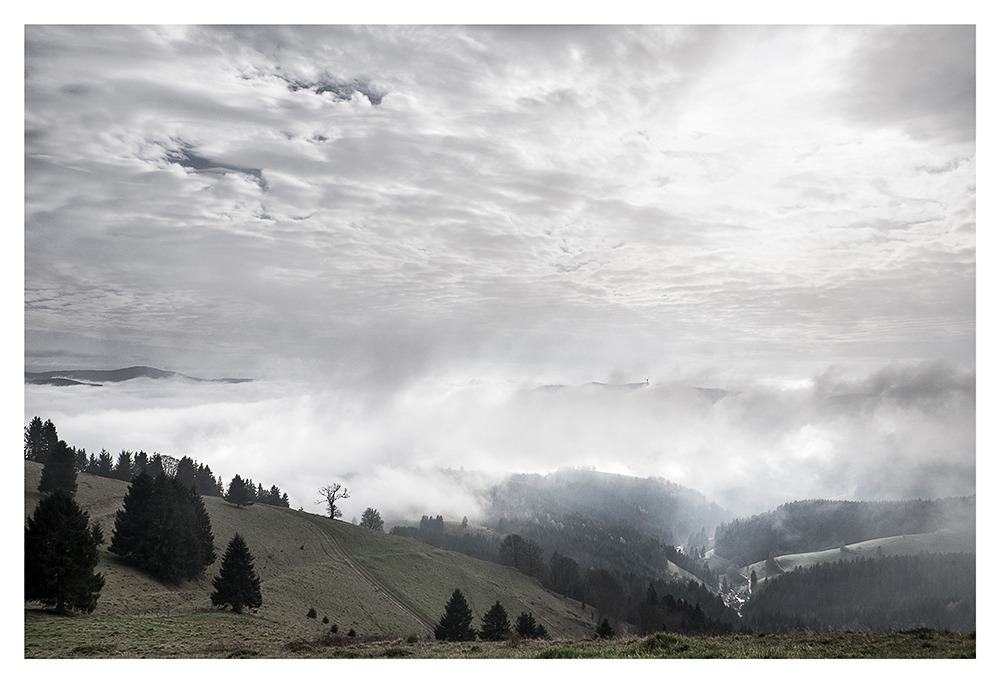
{"x": 80, "y": 459}
{"x": 371, "y": 519}
{"x": 496, "y": 625}
{"x": 239, "y": 493}
{"x": 140, "y": 463}
{"x": 651, "y": 597}
{"x": 156, "y": 468}
{"x": 59, "y": 470}
{"x": 137, "y": 523}
{"x": 105, "y": 465}
{"x": 185, "y": 472}
{"x": 164, "y": 529}
{"x": 123, "y": 468}
{"x": 456, "y": 622}
{"x": 33, "y": 439}
{"x": 40, "y": 440}
{"x": 60, "y": 553}
{"x": 272, "y": 496}
{"x": 237, "y": 584}
{"x": 205, "y": 483}
{"x": 527, "y": 627}
{"x": 605, "y": 631}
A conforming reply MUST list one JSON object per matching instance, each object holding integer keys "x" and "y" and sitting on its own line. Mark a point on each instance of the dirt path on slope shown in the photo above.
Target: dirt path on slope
{"x": 370, "y": 578}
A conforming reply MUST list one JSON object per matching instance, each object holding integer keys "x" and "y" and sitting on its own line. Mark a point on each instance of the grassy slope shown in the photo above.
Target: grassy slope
{"x": 372, "y": 582}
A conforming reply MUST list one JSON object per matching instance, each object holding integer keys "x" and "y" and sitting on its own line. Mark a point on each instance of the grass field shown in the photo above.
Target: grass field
{"x": 224, "y": 635}
{"x": 377, "y": 584}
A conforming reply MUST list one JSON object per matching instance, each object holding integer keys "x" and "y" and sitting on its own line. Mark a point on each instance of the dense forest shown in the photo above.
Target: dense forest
{"x": 652, "y": 507}
{"x": 936, "y": 590}
{"x": 810, "y": 525}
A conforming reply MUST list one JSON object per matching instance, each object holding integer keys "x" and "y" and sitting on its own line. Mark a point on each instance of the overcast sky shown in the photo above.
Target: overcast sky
{"x": 402, "y": 232}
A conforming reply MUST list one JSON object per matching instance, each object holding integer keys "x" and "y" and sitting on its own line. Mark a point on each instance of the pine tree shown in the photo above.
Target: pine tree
{"x": 240, "y": 493}
{"x": 136, "y": 523}
{"x": 59, "y": 470}
{"x": 155, "y": 468}
{"x": 185, "y": 472}
{"x": 40, "y": 440}
{"x": 80, "y": 459}
{"x": 527, "y": 627}
{"x": 123, "y": 467}
{"x": 33, "y": 440}
{"x": 105, "y": 465}
{"x": 456, "y": 622}
{"x": 140, "y": 463}
{"x": 163, "y": 528}
{"x": 605, "y": 631}
{"x": 60, "y": 553}
{"x": 237, "y": 584}
{"x": 205, "y": 483}
{"x": 496, "y": 625}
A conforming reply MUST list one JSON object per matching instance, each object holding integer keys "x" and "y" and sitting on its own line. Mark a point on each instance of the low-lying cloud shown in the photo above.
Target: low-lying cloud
{"x": 901, "y": 432}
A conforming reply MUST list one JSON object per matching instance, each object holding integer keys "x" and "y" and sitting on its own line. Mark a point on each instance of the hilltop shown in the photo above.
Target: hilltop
{"x": 96, "y": 377}
{"x": 375, "y": 583}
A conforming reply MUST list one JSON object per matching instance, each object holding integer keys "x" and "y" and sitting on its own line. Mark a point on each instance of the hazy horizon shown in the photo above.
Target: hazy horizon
{"x": 402, "y": 232}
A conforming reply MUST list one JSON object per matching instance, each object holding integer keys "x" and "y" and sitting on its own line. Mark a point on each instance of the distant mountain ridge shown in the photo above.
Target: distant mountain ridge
{"x": 96, "y": 377}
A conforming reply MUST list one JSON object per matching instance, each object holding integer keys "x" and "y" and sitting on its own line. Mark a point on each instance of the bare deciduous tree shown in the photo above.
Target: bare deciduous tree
{"x": 331, "y": 493}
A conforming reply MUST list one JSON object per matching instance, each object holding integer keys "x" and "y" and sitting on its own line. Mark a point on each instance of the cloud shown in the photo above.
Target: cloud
{"x": 903, "y": 431}
{"x": 920, "y": 78}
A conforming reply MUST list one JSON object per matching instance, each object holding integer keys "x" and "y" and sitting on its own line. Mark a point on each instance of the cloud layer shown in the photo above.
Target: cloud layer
{"x": 904, "y": 432}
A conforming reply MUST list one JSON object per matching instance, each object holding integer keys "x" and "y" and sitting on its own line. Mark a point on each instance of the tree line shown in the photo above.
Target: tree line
{"x": 42, "y": 444}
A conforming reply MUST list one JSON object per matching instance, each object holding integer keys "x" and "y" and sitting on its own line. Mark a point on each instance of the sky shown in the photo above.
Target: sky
{"x": 511, "y": 249}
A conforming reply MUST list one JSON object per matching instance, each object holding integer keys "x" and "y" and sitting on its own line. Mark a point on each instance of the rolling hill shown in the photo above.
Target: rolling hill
{"x": 374, "y": 583}
{"x": 95, "y": 377}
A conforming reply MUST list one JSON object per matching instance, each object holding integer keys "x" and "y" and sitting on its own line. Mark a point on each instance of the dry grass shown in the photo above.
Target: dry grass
{"x": 223, "y": 635}
{"x": 377, "y": 584}
{"x": 388, "y": 589}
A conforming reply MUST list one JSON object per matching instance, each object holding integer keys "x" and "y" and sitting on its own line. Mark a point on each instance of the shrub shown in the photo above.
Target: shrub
{"x": 311, "y": 613}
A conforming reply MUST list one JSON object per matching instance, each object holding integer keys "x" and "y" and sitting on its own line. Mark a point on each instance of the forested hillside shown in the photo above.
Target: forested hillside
{"x": 810, "y": 525}
{"x": 904, "y": 591}
{"x": 599, "y": 538}
{"x": 653, "y": 507}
